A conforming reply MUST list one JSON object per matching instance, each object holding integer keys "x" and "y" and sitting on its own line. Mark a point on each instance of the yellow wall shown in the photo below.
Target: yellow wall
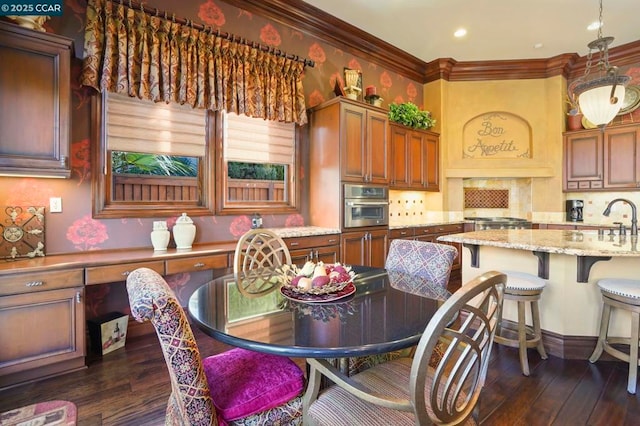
{"x": 540, "y": 102}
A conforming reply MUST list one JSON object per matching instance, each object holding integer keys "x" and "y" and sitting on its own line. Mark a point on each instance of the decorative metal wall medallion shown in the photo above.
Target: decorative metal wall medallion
{"x": 22, "y": 231}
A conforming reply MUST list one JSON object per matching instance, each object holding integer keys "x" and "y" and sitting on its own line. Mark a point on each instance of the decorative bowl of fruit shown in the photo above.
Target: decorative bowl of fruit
{"x": 317, "y": 278}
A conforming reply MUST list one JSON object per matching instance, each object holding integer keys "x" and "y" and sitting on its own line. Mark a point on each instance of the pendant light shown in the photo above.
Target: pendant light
{"x": 601, "y": 98}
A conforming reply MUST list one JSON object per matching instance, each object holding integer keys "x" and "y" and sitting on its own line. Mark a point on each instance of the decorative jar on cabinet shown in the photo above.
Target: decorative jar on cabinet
{"x": 184, "y": 232}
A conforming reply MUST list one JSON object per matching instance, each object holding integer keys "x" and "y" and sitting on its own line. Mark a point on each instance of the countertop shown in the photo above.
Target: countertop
{"x": 569, "y": 242}
{"x": 449, "y": 222}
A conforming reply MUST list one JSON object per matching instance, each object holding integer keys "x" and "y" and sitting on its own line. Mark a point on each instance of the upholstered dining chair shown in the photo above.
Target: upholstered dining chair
{"x": 409, "y": 391}
{"x": 430, "y": 261}
{"x": 236, "y": 387}
{"x": 260, "y": 248}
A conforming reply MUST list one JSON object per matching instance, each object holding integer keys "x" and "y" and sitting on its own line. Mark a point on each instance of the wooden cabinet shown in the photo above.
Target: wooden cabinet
{"x": 42, "y": 332}
{"x": 583, "y": 160}
{"x": 118, "y": 272}
{"x": 621, "y": 158}
{"x": 597, "y": 161}
{"x": 414, "y": 158}
{"x": 35, "y": 100}
{"x": 348, "y": 143}
{"x": 197, "y": 263}
{"x": 366, "y": 247}
{"x": 363, "y": 144}
{"x": 325, "y": 248}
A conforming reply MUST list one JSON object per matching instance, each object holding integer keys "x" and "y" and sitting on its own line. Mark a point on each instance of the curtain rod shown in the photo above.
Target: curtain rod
{"x": 218, "y": 33}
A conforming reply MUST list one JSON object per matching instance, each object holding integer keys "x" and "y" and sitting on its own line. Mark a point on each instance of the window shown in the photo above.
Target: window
{"x": 156, "y": 160}
{"x": 153, "y": 159}
{"x": 257, "y": 164}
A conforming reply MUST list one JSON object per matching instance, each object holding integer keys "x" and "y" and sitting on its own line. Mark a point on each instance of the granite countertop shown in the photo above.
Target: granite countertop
{"x": 449, "y": 222}
{"x": 304, "y": 231}
{"x": 575, "y": 243}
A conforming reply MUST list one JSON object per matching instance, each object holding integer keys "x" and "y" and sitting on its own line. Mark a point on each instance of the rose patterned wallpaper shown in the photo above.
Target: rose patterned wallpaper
{"x": 74, "y": 230}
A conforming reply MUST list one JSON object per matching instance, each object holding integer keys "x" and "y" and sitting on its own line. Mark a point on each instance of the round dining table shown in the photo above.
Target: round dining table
{"x": 387, "y": 311}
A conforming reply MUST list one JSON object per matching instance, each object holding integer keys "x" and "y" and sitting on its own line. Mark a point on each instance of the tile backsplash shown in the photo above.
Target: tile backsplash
{"x": 596, "y": 202}
{"x": 497, "y": 197}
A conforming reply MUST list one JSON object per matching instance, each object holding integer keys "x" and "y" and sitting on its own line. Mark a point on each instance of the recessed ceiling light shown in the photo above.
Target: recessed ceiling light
{"x": 538, "y": 46}
{"x": 593, "y": 26}
{"x": 461, "y": 32}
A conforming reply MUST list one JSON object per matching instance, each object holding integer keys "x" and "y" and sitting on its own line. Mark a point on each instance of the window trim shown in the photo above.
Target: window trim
{"x": 104, "y": 208}
{"x": 223, "y": 207}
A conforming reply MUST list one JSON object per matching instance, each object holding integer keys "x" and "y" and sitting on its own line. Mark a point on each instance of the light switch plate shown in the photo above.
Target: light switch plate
{"x": 55, "y": 205}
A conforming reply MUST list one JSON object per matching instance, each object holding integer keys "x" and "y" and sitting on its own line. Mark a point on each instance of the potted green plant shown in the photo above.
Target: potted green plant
{"x": 410, "y": 115}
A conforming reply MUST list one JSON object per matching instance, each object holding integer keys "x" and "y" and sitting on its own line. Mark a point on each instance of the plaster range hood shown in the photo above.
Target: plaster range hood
{"x": 489, "y": 172}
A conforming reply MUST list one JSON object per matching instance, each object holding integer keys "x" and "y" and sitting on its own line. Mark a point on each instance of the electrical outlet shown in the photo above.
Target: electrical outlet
{"x": 55, "y": 205}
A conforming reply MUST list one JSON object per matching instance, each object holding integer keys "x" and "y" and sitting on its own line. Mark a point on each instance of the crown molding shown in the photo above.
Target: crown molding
{"x": 334, "y": 31}
{"x": 309, "y": 19}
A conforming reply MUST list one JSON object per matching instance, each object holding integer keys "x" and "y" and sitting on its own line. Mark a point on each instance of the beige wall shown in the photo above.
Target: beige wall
{"x": 538, "y": 101}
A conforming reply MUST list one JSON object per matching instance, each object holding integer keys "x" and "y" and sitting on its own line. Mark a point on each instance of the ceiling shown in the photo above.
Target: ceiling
{"x": 496, "y": 29}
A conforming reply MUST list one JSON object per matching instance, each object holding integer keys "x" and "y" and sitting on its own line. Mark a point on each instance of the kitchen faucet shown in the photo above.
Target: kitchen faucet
{"x": 634, "y": 214}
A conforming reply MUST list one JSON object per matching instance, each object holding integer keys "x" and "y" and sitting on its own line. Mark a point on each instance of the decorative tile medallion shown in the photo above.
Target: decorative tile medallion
{"x": 22, "y": 230}
{"x": 486, "y": 198}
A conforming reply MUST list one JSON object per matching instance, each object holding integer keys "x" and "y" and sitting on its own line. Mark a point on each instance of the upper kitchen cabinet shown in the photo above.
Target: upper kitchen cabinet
{"x": 595, "y": 160}
{"x": 35, "y": 100}
{"x": 414, "y": 158}
{"x": 621, "y": 158}
{"x": 358, "y": 132}
{"x": 583, "y": 160}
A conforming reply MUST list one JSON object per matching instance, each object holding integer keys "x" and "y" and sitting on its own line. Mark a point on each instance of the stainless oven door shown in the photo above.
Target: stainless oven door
{"x": 358, "y": 212}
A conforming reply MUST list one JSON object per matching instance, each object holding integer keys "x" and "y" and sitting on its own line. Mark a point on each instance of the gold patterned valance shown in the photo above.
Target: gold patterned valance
{"x": 131, "y": 52}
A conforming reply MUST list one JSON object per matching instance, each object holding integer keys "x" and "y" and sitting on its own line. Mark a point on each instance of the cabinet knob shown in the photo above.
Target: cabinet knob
{"x": 293, "y": 244}
{"x": 78, "y": 297}
{"x": 126, "y": 273}
{"x": 34, "y": 284}
{"x": 198, "y": 265}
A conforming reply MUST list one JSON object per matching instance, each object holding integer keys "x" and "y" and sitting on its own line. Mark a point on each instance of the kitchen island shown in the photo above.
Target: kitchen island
{"x": 571, "y": 262}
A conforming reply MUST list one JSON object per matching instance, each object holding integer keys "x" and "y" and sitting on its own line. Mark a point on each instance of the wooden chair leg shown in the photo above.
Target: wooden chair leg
{"x": 522, "y": 339}
{"x": 537, "y": 329}
{"x": 602, "y": 336}
{"x": 633, "y": 353}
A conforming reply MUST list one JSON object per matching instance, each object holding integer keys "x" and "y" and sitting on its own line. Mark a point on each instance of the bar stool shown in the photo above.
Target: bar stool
{"x": 522, "y": 288}
{"x": 623, "y": 294}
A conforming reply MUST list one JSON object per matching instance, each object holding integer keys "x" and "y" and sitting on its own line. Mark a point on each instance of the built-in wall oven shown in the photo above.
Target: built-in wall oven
{"x": 365, "y": 205}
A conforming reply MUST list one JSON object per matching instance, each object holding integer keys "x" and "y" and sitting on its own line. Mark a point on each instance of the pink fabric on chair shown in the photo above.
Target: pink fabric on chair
{"x": 243, "y": 382}
{"x": 239, "y": 388}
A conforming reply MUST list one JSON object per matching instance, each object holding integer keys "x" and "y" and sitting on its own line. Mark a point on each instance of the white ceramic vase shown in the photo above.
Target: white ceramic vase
{"x": 184, "y": 232}
{"x": 160, "y": 235}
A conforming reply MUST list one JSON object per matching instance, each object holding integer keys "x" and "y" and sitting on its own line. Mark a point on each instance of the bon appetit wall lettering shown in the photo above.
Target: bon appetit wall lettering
{"x": 496, "y": 135}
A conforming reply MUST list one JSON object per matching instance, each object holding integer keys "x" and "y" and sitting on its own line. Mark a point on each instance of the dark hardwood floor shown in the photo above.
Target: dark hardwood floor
{"x": 131, "y": 387}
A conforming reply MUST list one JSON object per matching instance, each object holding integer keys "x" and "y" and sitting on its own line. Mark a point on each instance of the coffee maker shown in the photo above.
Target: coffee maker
{"x": 574, "y": 210}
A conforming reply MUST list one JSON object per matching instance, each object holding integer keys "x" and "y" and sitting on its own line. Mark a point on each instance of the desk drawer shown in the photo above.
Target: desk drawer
{"x": 40, "y": 281}
{"x": 312, "y": 241}
{"x": 197, "y": 263}
{"x": 115, "y": 273}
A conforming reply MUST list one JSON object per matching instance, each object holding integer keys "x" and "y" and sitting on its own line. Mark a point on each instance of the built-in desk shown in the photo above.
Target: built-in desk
{"x": 42, "y": 300}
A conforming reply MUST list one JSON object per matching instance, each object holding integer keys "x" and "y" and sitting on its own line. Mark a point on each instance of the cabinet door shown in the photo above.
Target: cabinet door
{"x": 398, "y": 138}
{"x": 35, "y": 102}
{"x": 621, "y": 158}
{"x": 583, "y": 154}
{"x": 353, "y": 143}
{"x": 353, "y": 246}
{"x": 416, "y": 160}
{"x": 377, "y": 148}
{"x": 41, "y": 329}
{"x": 378, "y": 242}
{"x": 431, "y": 162}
